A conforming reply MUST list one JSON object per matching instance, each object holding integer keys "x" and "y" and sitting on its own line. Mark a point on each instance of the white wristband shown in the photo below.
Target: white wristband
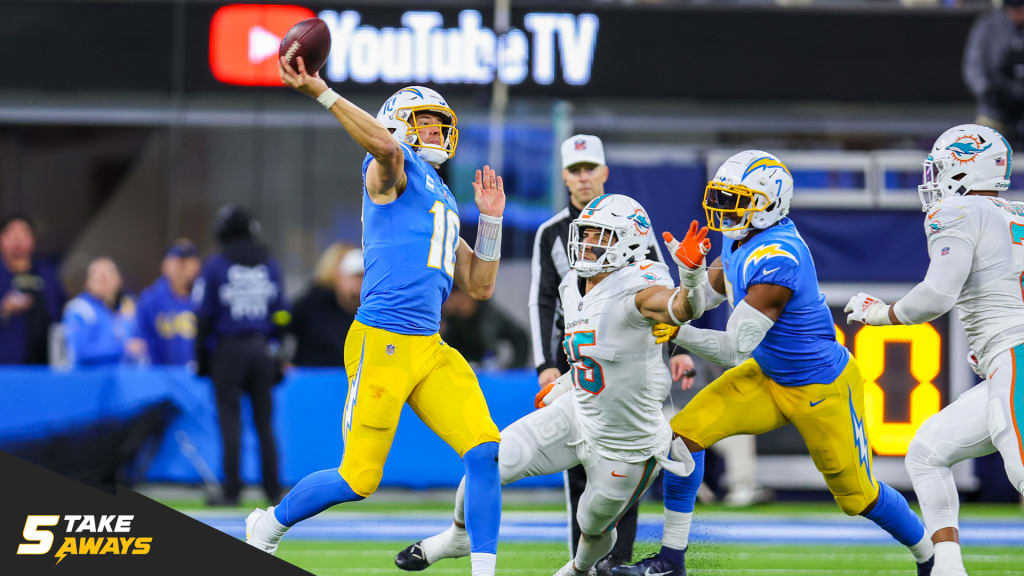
{"x": 671, "y": 305}
{"x": 328, "y": 98}
{"x": 488, "y": 238}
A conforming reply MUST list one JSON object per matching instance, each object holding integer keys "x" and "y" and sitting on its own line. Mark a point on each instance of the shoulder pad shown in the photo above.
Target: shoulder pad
{"x": 778, "y": 254}
{"x": 947, "y": 216}
{"x": 644, "y": 274}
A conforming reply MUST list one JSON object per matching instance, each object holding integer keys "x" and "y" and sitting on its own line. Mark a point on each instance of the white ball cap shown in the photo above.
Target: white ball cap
{"x": 582, "y": 148}
{"x": 352, "y": 263}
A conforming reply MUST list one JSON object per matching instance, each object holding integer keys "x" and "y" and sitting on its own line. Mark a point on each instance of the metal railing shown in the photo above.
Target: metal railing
{"x": 884, "y": 179}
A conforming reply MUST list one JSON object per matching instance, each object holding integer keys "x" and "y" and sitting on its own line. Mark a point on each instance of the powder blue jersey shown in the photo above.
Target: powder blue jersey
{"x": 409, "y": 252}
{"x": 801, "y": 347}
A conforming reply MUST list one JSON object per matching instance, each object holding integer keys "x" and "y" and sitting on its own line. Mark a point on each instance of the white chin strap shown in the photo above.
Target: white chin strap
{"x": 736, "y": 234}
{"x": 433, "y": 156}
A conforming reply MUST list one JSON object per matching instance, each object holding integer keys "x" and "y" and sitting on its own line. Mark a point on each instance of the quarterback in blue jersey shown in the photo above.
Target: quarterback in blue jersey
{"x": 393, "y": 353}
{"x": 786, "y": 365}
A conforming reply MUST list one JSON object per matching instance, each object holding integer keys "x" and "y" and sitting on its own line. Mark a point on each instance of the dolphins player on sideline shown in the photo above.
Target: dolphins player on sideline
{"x": 787, "y": 366}
{"x": 612, "y": 422}
{"x": 975, "y": 244}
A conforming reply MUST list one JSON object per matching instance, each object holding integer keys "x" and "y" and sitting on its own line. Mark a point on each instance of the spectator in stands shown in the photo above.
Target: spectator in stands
{"x": 98, "y": 327}
{"x": 166, "y": 320}
{"x": 322, "y": 315}
{"x": 993, "y": 68}
{"x": 31, "y": 295}
{"x": 241, "y": 316}
{"x": 485, "y": 335}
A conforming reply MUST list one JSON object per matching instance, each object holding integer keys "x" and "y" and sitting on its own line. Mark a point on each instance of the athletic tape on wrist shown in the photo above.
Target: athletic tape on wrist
{"x": 488, "y": 238}
{"x": 328, "y": 98}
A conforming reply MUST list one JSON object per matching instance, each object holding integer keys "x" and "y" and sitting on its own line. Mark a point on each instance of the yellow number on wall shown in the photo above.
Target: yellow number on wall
{"x": 893, "y": 438}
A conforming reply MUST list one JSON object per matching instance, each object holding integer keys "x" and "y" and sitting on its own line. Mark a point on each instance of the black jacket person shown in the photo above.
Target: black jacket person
{"x": 240, "y": 312}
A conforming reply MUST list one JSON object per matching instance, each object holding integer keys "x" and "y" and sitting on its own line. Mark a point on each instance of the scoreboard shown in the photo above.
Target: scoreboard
{"x": 905, "y": 377}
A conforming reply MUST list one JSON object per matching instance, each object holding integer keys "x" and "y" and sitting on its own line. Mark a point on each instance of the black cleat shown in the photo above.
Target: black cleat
{"x": 925, "y": 568}
{"x": 653, "y": 566}
{"x": 412, "y": 559}
{"x": 605, "y": 566}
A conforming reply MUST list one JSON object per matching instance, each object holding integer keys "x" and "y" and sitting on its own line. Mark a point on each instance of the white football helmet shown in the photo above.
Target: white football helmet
{"x": 398, "y": 114}
{"x": 624, "y": 226}
{"x": 751, "y": 189}
{"x": 965, "y": 158}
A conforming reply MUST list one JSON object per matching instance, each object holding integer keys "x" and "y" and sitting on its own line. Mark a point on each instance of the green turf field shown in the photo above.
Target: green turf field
{"x": 542, "y": 559}
{"x": 338, "y": 557}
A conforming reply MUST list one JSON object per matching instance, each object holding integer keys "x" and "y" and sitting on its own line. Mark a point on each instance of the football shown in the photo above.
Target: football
{"x": 310, "y": 39}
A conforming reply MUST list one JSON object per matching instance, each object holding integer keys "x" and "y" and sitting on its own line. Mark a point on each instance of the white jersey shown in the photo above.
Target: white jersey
{"x": 619, "y": 376}
{"x": 991, "y": 303}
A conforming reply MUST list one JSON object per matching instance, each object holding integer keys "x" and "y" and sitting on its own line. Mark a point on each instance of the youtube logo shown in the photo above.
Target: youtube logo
{"x": 244, "y": 40}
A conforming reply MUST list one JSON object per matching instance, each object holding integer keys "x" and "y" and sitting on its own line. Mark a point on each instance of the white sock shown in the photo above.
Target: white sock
{"x": 590, "y": 550}
{"x": 460, "y": 502}
{"x": 452, "y": 543}
{"x": 948, "y": 554}
{"x": 483, "y": 563}
{"x": 677, "y": 529}
{"x": 268, "y": 529}
{"x": 923, "y": 550}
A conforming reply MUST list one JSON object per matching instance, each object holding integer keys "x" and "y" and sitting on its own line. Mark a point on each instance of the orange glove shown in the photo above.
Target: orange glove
{"x": 538, "y": 400}
{"x": 549, "y": 392}
{"x": 691, "y": 251}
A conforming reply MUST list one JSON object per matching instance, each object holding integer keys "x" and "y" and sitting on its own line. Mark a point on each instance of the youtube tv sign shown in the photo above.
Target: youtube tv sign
{"x": 244, "y": 40}
{"x": 414, "y": 47}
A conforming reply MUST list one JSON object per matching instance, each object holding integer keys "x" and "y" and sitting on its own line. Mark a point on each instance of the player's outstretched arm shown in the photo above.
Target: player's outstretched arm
{"x": 749, "y": 323}
{"x": 476, "y": 269}
{"x": 385, "y": 177}
{"x": 951, "y": 261}
{"x": 666, "y": 305}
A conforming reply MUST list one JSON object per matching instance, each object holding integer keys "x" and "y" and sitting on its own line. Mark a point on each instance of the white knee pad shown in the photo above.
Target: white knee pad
{"x": 515, "y": 453}
{"x": 934, "y": 485}
{"x": 599, "y": 514}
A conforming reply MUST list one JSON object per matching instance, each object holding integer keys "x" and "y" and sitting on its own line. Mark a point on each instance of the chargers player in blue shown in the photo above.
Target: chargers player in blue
{"x": 166, "y": 316}
{"x": 786, "y": 365}
{"x": 393, "y": 353}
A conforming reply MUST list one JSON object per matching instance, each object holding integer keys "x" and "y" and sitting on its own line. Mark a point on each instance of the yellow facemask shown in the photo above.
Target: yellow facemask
{"x": 449, "y": 133}
{"x": 728, "y": 207}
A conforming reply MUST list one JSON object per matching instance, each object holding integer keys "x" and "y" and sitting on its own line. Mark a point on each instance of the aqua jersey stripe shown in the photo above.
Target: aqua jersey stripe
{"x": 644, "y": 479}
{"x": 1017, "y": 396}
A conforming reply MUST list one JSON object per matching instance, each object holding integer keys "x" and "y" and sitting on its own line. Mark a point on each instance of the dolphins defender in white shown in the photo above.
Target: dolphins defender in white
{"x": 612, "y": 422}
{"x": 976, "y": 245}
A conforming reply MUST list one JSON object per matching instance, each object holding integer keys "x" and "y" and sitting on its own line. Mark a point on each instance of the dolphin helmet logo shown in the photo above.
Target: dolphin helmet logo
{"x": 966, "y": 148}
{"x": 640, "y": 220}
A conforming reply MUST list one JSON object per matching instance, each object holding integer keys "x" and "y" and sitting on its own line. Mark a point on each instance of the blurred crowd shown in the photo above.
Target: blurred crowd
{"x": 104, "y": 323}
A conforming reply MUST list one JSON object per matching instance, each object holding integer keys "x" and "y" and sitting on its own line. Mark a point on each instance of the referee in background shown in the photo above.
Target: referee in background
{"x": 240, "y": 314}
{"x": 585, "y": 172}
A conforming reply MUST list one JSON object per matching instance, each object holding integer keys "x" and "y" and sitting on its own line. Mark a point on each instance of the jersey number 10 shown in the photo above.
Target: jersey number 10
{"x": 445, "y": 240}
